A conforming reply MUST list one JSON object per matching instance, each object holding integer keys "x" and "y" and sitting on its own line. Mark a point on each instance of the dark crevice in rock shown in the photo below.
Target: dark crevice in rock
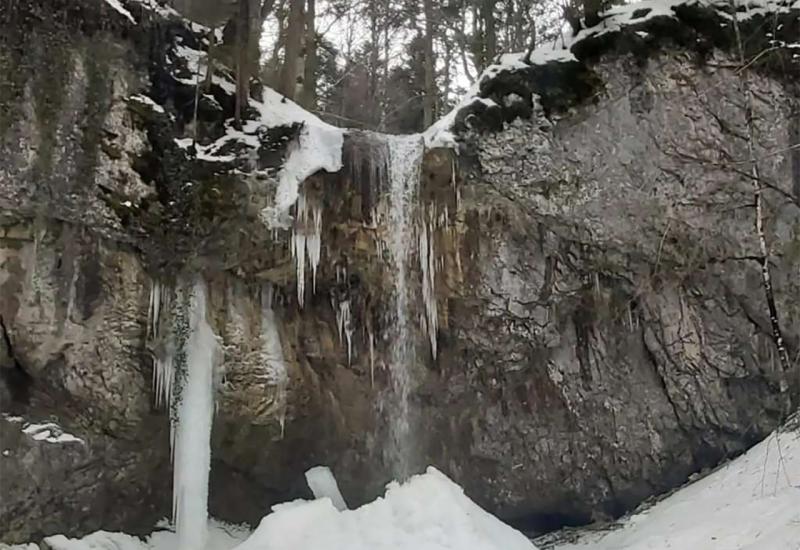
{"x": 652, "y": 360}
{"x": 539, "y": 524}
{"x": 13, "y": 375}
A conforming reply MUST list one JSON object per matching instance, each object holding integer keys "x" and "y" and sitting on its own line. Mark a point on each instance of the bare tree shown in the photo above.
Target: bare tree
{"x": 429, "y": 110}
{"x": 758, "y": 206}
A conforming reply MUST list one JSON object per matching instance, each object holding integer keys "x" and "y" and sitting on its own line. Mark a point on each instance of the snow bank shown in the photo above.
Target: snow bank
{"x": 221, "y": 536}
{"x": 429, "y": 512}
{"x": 752, "y": 503}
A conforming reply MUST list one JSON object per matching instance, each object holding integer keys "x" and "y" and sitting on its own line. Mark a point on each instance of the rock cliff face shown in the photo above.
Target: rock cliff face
{"x": 600, "y": 327}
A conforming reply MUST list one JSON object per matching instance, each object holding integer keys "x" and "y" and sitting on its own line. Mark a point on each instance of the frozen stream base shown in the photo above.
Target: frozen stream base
{"x": 751, "y": 503}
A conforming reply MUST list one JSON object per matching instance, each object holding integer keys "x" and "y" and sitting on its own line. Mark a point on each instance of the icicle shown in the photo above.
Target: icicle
{"x": 192, "y": 426}
{"x": 345, "y": 326}
{"x": 314, "y": 244}
{"x": 630, "y": 317}
{"x": 154, "y": 309}
{"x": 427, "y": 260}
{"x": 300, "y": 262}
{"x": 307, "y": 241}
{"x": 371, "y": 357}
{"x": 163, "y": 354}
{"x": 164, "y": 374}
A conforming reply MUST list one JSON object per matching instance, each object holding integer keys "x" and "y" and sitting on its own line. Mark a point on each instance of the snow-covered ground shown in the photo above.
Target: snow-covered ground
{"x": 751, "y": 503}
{"x": 221, "y": 536}
{"x": 429, "y": 512}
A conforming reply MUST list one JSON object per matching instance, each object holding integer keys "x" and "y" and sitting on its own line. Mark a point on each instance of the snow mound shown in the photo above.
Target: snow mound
{"x": 751, "y": 503}
{"x": 221, "y": 536}
{"x": 428, "y": 512}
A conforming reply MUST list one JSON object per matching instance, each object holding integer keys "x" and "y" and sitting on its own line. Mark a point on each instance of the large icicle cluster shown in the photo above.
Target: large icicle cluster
{"x": 163, "y": 354}
{"x": 306, "y": 241}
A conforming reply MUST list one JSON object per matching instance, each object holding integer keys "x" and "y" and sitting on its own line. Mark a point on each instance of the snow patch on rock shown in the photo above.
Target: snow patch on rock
{"x": 121, "y": 9}
{"x": 318, "y": 147}
{"x": 48, "y": 432}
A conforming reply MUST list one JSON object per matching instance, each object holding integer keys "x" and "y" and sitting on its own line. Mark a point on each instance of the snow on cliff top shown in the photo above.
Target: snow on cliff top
{"x": 751, "y": 503}
{"x": 319, "y": 146}
{"x": 440, "y": 134}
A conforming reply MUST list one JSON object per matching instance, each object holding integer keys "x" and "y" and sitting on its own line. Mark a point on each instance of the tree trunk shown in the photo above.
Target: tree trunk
{"x": 373, "y": 114}
{"x": 309, "y": 97}
{"x": 591, "y": 12}
{"x": 489, "y": 32}
{"x": 243, "y": 55}
{"x": 758, "y": 200}
{"x": 429, "y": 108}
{"x": 293, "y": 51}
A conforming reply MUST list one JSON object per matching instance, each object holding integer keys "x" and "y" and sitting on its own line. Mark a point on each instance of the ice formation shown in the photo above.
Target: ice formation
{"x": 306, "y": 241}
{"x": 344, "y": 324}
{"x": 191, "y": 428}
{"x": 427, "y": 264}
{"x": 163, "y": 356}
{"x": 323, "y": 485}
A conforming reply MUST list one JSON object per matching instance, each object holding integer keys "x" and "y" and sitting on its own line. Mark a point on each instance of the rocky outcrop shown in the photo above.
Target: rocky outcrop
{"x": 602, "y": 331}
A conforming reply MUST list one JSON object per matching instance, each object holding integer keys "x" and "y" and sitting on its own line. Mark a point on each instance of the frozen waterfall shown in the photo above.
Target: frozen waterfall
{"x": 183, "y": 373}
{"x": 192, "y": 425}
